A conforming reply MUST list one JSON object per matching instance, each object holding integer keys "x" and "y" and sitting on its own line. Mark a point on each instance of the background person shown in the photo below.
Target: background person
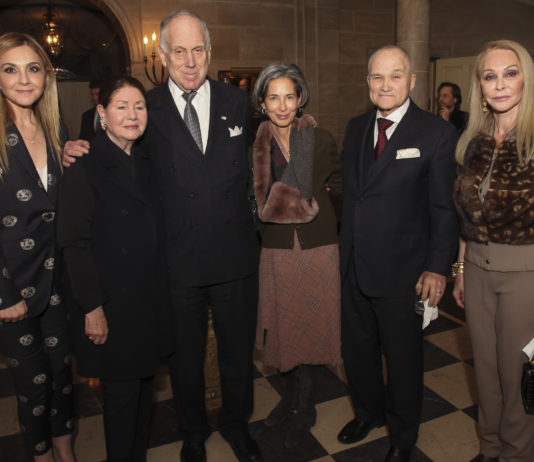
{"x": 494, "y": 195}
{"x": 33, "y": 323}
{"x": 299, "y": 295}
{"x": 90, "y": 122}
{"x": 107, "y": 230}
{"x": 449, "y": 102}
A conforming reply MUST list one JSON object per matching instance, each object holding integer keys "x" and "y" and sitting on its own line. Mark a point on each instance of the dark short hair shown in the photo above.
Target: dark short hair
{"x": 110, "y": 86}
{"x": 456, "y": 93}
{"x": 275, "y": 71}
{"x": 95, "y": 83}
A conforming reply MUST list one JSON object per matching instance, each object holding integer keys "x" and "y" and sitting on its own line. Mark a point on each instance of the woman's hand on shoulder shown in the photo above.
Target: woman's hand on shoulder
{"x": 14, "y": 313}
{"x": 74, "y": 149}
{"x": 458, "y": 291}
{"x": 96, "y": 326}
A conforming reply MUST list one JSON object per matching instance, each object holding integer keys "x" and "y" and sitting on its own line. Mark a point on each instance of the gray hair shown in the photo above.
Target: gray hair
{"x": 175, "y": 14}
{"x": 275, "y": 71}
{"x": 391, "y": 47}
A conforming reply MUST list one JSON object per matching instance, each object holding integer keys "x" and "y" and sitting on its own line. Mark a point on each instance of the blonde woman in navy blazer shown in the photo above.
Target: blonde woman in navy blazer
{"x": 33, "y": 324}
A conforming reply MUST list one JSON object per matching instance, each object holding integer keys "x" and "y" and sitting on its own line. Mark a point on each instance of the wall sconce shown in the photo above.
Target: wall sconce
{"x": 153, "y": 78}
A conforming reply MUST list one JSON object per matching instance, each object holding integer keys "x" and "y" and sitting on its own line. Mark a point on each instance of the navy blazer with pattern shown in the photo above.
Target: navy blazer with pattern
{"x": 27, "y": 229}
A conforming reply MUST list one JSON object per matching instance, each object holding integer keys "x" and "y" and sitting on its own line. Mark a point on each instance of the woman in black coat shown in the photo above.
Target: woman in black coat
{"x": 108, "y": 233}
{"x": 33, "y": 323}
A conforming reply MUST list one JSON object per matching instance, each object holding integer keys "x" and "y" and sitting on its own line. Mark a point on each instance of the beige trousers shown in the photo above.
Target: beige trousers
{"x": 500, "y": 317}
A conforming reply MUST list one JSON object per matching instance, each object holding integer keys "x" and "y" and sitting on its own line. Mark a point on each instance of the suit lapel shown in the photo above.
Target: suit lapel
{"x": 398, "y": 140}
{"x": 366, "y": 145}
{"x": 220, "y": 108}
{"x": 167, "y": 121}
{"x": 19, "y": 153}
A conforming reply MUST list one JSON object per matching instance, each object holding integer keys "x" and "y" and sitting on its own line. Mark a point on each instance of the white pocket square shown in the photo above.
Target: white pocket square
{"x": 409, "y": 153}
{"x": 236, "y": 131}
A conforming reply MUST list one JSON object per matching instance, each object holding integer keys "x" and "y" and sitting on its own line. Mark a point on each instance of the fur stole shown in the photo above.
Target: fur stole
{"x": 284, "y": 203}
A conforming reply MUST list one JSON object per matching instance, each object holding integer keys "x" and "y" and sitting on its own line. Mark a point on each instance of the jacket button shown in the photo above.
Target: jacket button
{"x": 124, "y": 211}
{"x": 235, "y": 162}
{"x": 124, "y": 251}
{"x": 172, "y": 170}
{"x": 228, "y": 193}
{"x": 192, "y": 195}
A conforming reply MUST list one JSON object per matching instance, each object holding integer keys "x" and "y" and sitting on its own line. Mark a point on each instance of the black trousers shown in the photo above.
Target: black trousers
{"x": 234, "y": 306}
{"x": 127, "y": 411}
{"x": 38, "y": 354}
{"x": 371, "y": 327}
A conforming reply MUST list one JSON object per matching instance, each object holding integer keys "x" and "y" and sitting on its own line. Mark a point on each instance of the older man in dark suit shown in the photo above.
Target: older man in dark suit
{"x": 398, "y": 239}
{"x": 198, "y": 136}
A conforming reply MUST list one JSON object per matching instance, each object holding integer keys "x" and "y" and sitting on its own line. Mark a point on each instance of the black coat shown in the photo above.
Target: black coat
{"x": 398, "y": 216}
{"x": 107, "y": 229}
{"x": 209, "y": 227}
{"x": 27, "y": 228}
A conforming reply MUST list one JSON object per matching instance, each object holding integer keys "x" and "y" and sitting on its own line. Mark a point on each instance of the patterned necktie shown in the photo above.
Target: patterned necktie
{"x": 383, "y": 125}
{"x": 191, "y": 118}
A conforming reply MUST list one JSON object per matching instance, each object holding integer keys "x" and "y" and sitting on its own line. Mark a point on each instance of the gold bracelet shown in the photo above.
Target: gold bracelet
{"x": 457, "y": 268}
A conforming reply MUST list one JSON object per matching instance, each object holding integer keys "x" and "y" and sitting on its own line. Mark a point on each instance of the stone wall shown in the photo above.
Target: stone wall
{"x": 330, "y": 39}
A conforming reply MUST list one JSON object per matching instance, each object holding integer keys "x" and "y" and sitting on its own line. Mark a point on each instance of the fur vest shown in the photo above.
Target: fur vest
{"x": 289, "y": 200}
{"x": 506, "y": 215}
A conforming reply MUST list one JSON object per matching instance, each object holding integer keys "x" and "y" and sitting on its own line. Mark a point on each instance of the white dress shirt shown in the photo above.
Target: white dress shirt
{"x": 396, "y": 116}
{"x": 201, "y": 103}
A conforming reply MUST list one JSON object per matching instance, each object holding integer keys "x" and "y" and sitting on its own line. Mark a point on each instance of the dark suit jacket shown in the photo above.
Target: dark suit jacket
{"x": 87, "y": 126}
{"x": 398, "y": 215}
{"x": 209, "y": 228}
{"x": 27, "y": 229}
{"x": 107, "y": 230}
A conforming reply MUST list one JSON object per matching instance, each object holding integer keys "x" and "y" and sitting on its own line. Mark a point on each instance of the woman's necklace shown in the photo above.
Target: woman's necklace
{"x": 35, "y": 134}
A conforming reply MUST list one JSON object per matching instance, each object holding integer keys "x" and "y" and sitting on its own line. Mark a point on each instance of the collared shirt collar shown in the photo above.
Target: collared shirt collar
{"x": 397, "y": 115}
{"x": 176, "y": 92}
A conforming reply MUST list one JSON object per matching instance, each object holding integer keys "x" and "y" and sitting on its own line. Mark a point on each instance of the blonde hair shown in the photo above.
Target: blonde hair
{"x": 46, "y": 108}
{"x": 482, "y": 122}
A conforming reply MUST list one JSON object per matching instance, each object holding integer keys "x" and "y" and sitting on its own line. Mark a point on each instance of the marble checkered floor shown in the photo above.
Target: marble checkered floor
{"x": 447, "y": 432}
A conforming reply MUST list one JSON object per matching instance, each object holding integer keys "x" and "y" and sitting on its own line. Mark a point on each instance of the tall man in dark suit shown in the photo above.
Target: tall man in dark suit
{"x": 198, "y": 137}
{"x": 399, "y": 237}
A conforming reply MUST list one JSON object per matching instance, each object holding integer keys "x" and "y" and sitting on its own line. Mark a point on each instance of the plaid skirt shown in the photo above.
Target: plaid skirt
{"x": 299, "y": 306}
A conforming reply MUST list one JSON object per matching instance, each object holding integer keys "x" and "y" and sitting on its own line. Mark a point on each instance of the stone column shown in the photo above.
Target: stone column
{"x": 413, "y": 34}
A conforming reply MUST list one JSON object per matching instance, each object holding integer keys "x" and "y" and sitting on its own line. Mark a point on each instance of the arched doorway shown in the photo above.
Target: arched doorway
{"x": 94, "y": 45}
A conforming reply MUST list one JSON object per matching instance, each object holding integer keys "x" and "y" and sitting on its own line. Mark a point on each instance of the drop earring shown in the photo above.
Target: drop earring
{"x": 484, "y": 105}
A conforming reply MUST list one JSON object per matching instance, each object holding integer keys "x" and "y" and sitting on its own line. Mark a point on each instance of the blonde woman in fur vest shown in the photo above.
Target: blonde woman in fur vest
{"x": 494, "y": 195}
{"x": 299, "y": 298}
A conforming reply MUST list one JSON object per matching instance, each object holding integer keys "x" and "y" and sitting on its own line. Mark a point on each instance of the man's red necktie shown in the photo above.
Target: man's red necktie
{"x": 383, "y": 125}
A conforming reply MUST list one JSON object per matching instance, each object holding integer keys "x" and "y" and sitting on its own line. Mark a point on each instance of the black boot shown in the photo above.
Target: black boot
{"x": 303, "y": 417}
{"x": 288, "y": 400}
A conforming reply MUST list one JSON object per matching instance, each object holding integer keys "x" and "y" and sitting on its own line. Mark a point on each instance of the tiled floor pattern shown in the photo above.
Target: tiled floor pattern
{"x": 447, "y": 431}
